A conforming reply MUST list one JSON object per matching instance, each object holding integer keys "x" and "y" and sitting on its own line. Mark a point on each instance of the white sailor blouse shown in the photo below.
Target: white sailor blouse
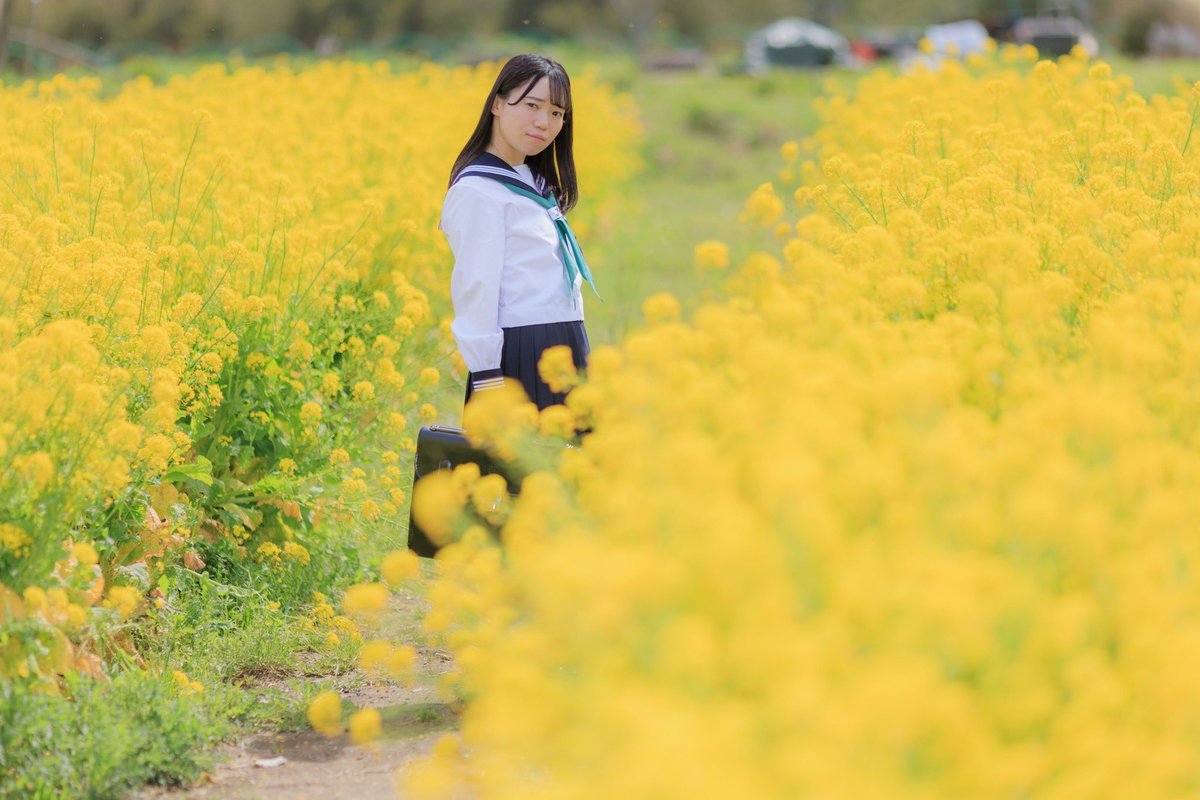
{"x": 515, "y": 261}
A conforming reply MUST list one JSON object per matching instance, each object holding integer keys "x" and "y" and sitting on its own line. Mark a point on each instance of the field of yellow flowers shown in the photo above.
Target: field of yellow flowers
{"x": 223, "y": 313}
{"x": 911, "y": 512}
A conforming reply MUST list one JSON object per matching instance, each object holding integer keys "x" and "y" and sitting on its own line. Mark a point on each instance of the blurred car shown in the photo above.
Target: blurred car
{"x": 1172, "y": 41}
{"x": 1055, "y": 36}
{"x": 958, "y": 38}
{"x": 888, "y": 43}
{"x": 948, "y": 40}
{"x": 794, "y": 42}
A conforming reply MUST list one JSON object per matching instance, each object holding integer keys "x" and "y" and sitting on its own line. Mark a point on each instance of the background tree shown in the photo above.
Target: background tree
{"x": 6, "y": 9}
{"x": 188, "y": 23}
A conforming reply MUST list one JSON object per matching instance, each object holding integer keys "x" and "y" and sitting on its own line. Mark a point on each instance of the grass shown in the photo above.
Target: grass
{"x": 259, "y": 666}
{"x": 1151, "y": 76}
{"x": 416, "y": 719}
{"x": 221, "y": 633}
{"x": 107, "y": 738}
{"x": 710, "y": 140}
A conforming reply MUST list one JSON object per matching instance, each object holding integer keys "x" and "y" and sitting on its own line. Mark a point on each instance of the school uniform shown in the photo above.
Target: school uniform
{"x": 517, "y": 279}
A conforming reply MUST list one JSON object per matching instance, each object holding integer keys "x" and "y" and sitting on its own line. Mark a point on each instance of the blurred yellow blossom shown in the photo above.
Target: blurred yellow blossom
{"x": 366, "y": 725}
{"x": 557, "y": 368}
{"x": 124, "y": 599}
{"x": 325, "y": 713}
{"x": 186, "y": 685}
{"x": 712, "y": 255}
{"x": 764, "y": 206}
{"x": 556, "y": 420}
{"x": 297, "y": 552}
{"x": 399, "y": 566}
{"x": 660, "y": 308}
{"x": 436, "y": 505}
{"x": 365, "y": 598}
{"x": 400, "y": 663}
{"x": 85, "y": 554}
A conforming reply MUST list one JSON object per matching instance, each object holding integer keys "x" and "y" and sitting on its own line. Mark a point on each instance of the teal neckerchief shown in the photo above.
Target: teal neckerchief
{"x": 574, "y": 264}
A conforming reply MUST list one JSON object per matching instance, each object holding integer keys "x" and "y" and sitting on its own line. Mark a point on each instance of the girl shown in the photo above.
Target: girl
{"x": 518, "y": 271}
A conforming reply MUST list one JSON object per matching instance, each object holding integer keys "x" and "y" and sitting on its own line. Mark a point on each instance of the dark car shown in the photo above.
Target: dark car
{"x": 1054, "y": 36}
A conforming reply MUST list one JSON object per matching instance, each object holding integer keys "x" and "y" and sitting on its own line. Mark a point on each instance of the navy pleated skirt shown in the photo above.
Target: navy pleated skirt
{"x": 524, "y": 345}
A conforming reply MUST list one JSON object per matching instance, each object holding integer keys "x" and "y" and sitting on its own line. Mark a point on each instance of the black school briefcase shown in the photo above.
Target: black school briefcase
{"x": 443, "y": 447}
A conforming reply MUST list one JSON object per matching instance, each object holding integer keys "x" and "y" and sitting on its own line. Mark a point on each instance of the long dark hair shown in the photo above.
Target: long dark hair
{"x": 557, "y": 162}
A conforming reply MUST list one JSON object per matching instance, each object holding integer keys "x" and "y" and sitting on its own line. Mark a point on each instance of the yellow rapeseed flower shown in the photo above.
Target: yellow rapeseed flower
{"x": 400, "y": 663}
{"x": 764, "y": 206}
{"x": 296, "y": 552}
{"x": 365, "y": 598}
{"x": 556, "y": 420}
{"x": 557, "y": 368}
{"x": 660, "y": 308}
{"x": 185, "y": 685}
{"x": 712, "y": 255}
{"x": 124, "y": 599}
{"x": 35, "y": 598}
{"x": 311, "y": 412}
{"x": 366, "y": 725}
{"x": 399, "y": 566}
{"x": 85, "y": 554}
{"x": 325, "y": 713}
{"x": 13, "y": 539}
{"x": 374, "y": 655}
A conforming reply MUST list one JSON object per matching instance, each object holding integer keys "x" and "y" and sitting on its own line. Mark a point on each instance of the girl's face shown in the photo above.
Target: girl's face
{"x": 527, "y": 128}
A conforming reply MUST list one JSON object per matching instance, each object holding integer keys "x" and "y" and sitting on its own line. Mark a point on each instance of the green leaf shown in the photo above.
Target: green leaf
{"x": 200, "y": 471}
{"x": 138, "y": 572}
{"x": 249, "y": 518}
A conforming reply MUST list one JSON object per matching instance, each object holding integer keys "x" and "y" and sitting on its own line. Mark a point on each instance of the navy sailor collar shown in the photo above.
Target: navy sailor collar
{"x": 496, "y": 168}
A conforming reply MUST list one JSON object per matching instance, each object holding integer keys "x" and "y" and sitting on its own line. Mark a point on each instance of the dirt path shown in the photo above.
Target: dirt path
{"x": 322, "y": 768}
